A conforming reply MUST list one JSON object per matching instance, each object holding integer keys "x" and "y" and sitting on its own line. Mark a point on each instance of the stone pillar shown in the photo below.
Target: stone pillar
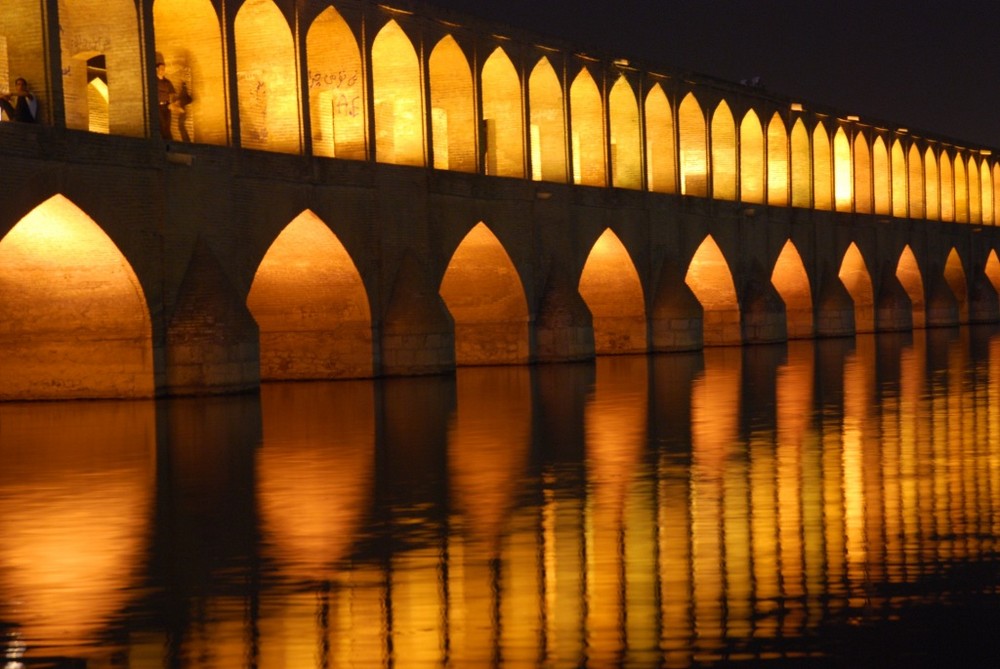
{"x": 676, "y": 316}
{"x": 762, "y": 311}
{"x": 834, "y": 309}
{"x": 564, "y": 326}
{"x": 942, "y": 307}
{"x": 893, "y": 306}
{"x": 984, "y": 304}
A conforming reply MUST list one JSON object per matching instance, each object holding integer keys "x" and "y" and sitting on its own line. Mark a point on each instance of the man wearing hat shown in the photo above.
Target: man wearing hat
{"x": 165, "y": 94}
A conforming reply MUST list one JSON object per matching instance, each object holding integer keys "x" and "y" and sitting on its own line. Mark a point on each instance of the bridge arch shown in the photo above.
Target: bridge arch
{"x": 548, "y": 125}
{"x": 986, "y": 185}
{"x": 587, "y": 126}
{"x": 777, "y": 161}
{"x": 855, "y": 276}
{"x": 975, "y": 192}
{"x": 910, "y": 277}
{"x": 791, "y": 280}
{"x": 822, "y": 164}
{"x": 900, "y": 196}
{"x": 862, "y": 175}
{"x": 751, "y": 147}
{"x": 502, "y": 119}
{"x": 396, "y": 98}
{"x": 611, "y": 287}
{"x": 961, "y": 190}
{"x": 711, "y": 281}
{"x": 75, "y": 322}
{"x": 335, "y": 88}
{"x": 843, "y": 186}
{"x": 881, "y": 178}
{"x": 693, "y": 162}
{"x": 800, "y": 164}
{"x": 311, "y": 306}
{"x": 660, "y": 173}
{"x": 723, "y": 153}
{"x": 947, "y": 188}
{"x": 932, "y": 185}
{"x": 626, "y": 151}
{"x": 453, "y": 116}
{"x": 916, "y": 181}
{"x": 955, "y": 277}
{"x": 484, "y": 293}
{"x": 992, "y": 270}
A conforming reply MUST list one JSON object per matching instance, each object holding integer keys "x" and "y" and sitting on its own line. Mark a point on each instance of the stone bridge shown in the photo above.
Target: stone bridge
{"x": 376, "y": 190}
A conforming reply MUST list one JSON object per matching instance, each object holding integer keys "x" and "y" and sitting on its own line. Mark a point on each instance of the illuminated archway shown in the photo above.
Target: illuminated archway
{"x": 915, "y": 175}
{"x": 862, "y": 175}
{"x": 954, "y": 276}
{"x": 881, "y": 177}
{"x": 502, "y": 122}
{"x": 548, "y": 127}
{"x": 975, "y": 194}
{"x": 20, "y": 56}
{"x": 587, "y": 124}
{"x": 659, "y": 142}
{"x": 986, "y": 186}
{"x": 399, "y": 124}
{"x": 75, "y": 319}
{"x": 751, "y": 159}
{"x": 723, "y": 153}
{"x": 908, "y": 273}
{"x": 932, "y": 184}
{"x": 799, "y": 157}
{"x": 961, "y": 190}
{"x": 626, "y": 151}
{"x": 777, "y": 162}
{"x": 483, "y": 292}
{"x": 693, "y": 162}
{"x": 336, "y": 88}
{"x": 900, "y": 196}
{"x": 188, "y": 36}
{"x": 792, "y": 283}
{"x": 311, "y": 307}
{"x": 822, "y": 169}
{"x": 842, "y": 184}
{"x": 857, "y": 280}
{"x": 711, "y": 281}
{"x": 611, "y": 288}
{"x": 98, "y": 100}
{"x": 996, "y": 191}
{"x": 992, "y": 270}
{"x": 267, "y": 87}
{"x": 453, "y": 116}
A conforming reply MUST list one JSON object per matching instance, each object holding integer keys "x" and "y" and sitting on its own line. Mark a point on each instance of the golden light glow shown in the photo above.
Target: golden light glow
{"x": 453, "y": 116}
{"x": 900, "y": 196}
{"x": 548, "y": 158}
{"x": 961, "y": 190}
{"x": 856, "y": 279}
{"x": 992, "y": 270}
{"x": 986, "y": 186}
{"x": 881, "y": 176}
{"x": 75, "y": 318}
{"x": 996, "y": 196}
{"x": 723, "y": 153}
{"x": 777, "y": 162}
{"x": 947, "y": 189}
{"x": 311, "y": 306}
{"x": 399, "y": 126}
{"x": 862, "y": 176}
{"x": 710, "y": 279}
{"x": 916, "y": 184}
{"x": 792, "y": 283}
{"x": 693, "y": 163}
{"x": 933, "y": 185}
{"x": 751, "y": 158}
{"x": 337, "y": 106}
{"x": 588, "y": 131}
{"x": 908, "y": 273}
{"x": 954, "y": 276}
{"x": 610, "y": 286}
{"x": 486, "y": 299}
{"x": 800, "y": 166}
{"x": 842, "y": 172}
{"x": 502, "y": 121}
{"x": 822, "y": 175}
{"x": 975, "y": 194}
{"x": 626, "y": 151}
{"x": 659, "y": 142}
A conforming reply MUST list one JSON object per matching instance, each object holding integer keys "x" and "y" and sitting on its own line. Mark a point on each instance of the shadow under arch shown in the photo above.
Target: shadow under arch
{"x": 954, "y": 276}
{"x": 857, "y": 280}
{"x": 75, "y": 322}
{"x": 790, "y": 279}
{"x": 311, "y": 306}
{"x": 484, "y": 293}
{"x": 711, "y": 281}
{"x": 610, "y": 286}
{"x": 992, "y": 270}
{"x": 908, "y": 273}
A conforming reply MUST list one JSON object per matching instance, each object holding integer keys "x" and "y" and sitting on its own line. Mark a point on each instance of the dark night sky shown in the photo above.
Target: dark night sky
{"x": 932, "y": 65}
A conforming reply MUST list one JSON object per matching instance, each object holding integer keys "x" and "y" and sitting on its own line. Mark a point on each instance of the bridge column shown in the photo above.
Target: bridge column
{"x": 984, "y": 303}
{"x": 942, "y": 306}
{"x": 564, "y": 325}
{"x": 893, "y": 306}
{"x": 676, "y": 317}
{"x": 834, "y": 308}
{"x": 417, "y": 331}
{"x": 762, "y": 311}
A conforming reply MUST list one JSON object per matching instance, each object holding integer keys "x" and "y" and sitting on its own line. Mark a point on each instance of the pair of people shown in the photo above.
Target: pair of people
{"x": 169, "y": 101}
{"x": 20, "y": 105}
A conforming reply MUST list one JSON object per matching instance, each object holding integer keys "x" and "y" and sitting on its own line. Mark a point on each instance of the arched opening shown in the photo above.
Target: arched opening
{"x": 453, "y": 116}
{"x": 777, "y": 162}
{"x": 961, "y": 191}
{"x": 659, "y": 142}
{"x": 751, "y": 159}
{"x": 947, "y": 189}
{"x": 189, "y": 38}
{"x": 932, "y": 185}
{"x": 97, "y": 95}
{"x": 822, "y": 169}
{"x": 399, "y": 125}
{"x": 862, "y": 175}
{"x": 792, "y": 283}
{"x": 915, "y": 174}
{"x": 611, "y": 288}
{"x": 723, "y": 153}
{"x": 711, "y": 281}
{"x": 799, "y": 157}
{"x": 880, "y": 178}
{"x": 75, "y": 319}
{"x": 588, "y": 131}
{"x": 986, "y": 186}
{"x": 992, "y": 270}
{"x": 115, "y": 38}
{"x": 975, "y": 194}
{"x": 954, "y": 276}
{"x": 548, "y": 127}
{"x": 908, "y": 273}
{"x": 996, "y": 197}
{"x": 693, "y": 162}
{"x": 842, "y": 188}
{"x": 484, "y": 294}
{"x": 337, "y": 107}
{"x": 626, "y": 151}
{"x": 23, "y": 49}
{"x": 266, "y": 81}
{"x": 899, "y": 194}
{"x": 311, "y": 306}
{"x": 857, "y": 280}
{"x": 502, "y": 126}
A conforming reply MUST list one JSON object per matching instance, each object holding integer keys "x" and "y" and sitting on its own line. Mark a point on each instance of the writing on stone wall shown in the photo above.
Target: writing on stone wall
{"x": 253, "y": 105}
{"x": 347, "y": 103}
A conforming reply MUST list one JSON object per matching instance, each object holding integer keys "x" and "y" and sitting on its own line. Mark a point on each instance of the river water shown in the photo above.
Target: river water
{"x": 828, "y": 503}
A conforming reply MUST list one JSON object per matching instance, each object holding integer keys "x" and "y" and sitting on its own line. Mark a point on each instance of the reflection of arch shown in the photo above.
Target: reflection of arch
{"x": 588, "y": 131}
{"x": 915, "y": 175}
{"x": 822, "y": 175}
{"x": 857, "y": 280}
{"x": 992, "y": 270}
{"x": 777, "y": 161}
{"x": 626, "y": 152}
{"x": 75, "y": 320}
{"x": 954, "y": 276}
{"x": 502, "y": 129}
{"x": 751, "y": 159}
{"x": 611, "y": 288}
{"x": 311, "y": 306}
{"x": 799, "y": 168}
{"x": 483, "y": 292}
{"x": 266, "y": 79}
{"x": 693, "y": 163}
{"x": 899, "y": 173}
{"x": 548, "y": 127}
{"x": 399, "y": 126}
{"x": 842, "y": 188}
{"x": 659, "y": 142}
{"x": 452, "y": 114}
{"x": 723, "y": 153}
{"x": 792, "y": 283}
{"x": 862, "y": 175}
{"x": 933, "y": 186}
{"x": 881, "y": 177}
{"x": 908, "y": 273}
{"x": 710, "y": 279}
{"x": 335, "y": 87}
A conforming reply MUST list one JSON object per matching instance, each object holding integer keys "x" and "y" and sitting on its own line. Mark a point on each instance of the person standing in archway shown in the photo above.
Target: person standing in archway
{"x": 165, "y": 95}
{"x": 20, "y": 105}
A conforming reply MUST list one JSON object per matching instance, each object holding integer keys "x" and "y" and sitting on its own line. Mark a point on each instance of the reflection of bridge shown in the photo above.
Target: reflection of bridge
{"x": 640, "y": 210}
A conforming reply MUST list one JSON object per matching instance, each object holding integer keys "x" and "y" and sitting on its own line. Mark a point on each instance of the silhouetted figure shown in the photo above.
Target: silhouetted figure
{"x": 20, "y": 105}
{"x": 165, "y": 95}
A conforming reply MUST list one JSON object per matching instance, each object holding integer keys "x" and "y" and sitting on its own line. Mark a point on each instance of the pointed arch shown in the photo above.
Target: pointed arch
{"x": 399, "y": 125}
{"x": 790, "y": 279}
{"x": 610, "y": 286}
{"x": 857, "y": 280}
{"x": 961, "y": 190}
{"x": 751, "y": 147}
{"x": 626, "y": 151}
{"x": 996, "y": 194}
{"x": 975, "y": 193}
{"x": 502, "y": 121}
{"x": 947, "y": 188}
{"x": 723, "y": 153}
{"x": 188, "y": 36}
{"x": 862, "y": 175}
{"x": 932, "y": 186}
{"x": 986, "y": 187}
{"x": 992, "y": 270}
{"x": 908, "y": 273}
{"x": 881, "y": 178}
{"x": 588, "y": 131}
{"x": 954, "y": 276}
{"x": 548, "y": 125}
{"x": 337, "y": 106}
{"x": 915, "y": 175}
{"x": 267, "y": 84}
{"x": 711, "y": 280}
{"x": 900, "y": 196}
{"x": 485, "y": 296}
{"x": 842, "y": 170}
{"x": 693, "y": 162}
{"x": 75, "y": 318}
{"x": 660, "y": 152}
{"x": 453, "y": 117}
{"x": 822, "y": 163}
{"x": 777, "y": 161}
{"x": 800, "y": 162}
